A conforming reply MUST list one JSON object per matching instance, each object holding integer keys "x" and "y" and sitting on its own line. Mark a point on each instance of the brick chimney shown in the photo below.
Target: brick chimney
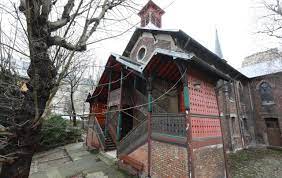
{"x": 151, "y": 14}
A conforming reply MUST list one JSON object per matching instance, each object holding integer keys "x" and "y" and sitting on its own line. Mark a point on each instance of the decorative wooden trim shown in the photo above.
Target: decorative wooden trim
{"x": 206, "y": 142}
{"x": 205, "y": 116}
{"x": 180, "y": 141}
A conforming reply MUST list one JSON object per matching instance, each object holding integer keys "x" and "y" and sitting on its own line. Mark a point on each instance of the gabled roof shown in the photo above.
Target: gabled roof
{"x": 188, "y": 44}
{"x": 139, "y": 67}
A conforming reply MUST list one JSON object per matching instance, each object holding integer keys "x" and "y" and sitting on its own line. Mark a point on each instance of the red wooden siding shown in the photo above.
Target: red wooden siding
{"x": 100, "y": 109}
{"x": 203, "y": 100}
{"x": 202, "y": 127}
{"x": 203, "y": 107}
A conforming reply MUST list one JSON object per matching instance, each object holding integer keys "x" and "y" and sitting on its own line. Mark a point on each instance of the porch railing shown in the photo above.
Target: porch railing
{"x": 134, "y": 138}
{"x": 169, "y": 123}
{"x": 97, "y": 128}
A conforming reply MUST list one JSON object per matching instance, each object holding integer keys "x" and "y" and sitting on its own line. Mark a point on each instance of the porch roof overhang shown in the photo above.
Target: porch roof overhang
{"x": 162, "y": 62}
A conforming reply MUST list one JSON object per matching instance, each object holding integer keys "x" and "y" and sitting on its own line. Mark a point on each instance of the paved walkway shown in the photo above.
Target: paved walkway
{"x": 74, "y": 161}
{"x": 256, "y": 163}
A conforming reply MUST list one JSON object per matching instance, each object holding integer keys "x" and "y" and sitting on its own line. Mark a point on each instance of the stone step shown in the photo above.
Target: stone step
{"x": 96, "y": 175}
{"x": 106, "y": 158}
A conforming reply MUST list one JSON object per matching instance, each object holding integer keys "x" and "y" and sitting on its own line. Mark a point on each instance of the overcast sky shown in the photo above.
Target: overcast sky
{"x": 236, "y": 22}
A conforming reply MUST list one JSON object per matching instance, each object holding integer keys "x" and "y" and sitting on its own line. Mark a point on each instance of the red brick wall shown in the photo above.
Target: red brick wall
{"x": 169, "y": 161}
{"x": 141, "y": 155}
{"x": 209, "y": 162}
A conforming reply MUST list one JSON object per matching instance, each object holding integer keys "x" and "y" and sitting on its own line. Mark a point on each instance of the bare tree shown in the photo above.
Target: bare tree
{"x": 272, "y": 20}
{"x": 53, "y": 37}
{"x": 73, "y": 80}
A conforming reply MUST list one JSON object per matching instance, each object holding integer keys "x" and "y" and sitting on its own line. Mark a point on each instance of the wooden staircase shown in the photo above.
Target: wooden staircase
{"x": 138, "y": 135}
{"x": 109, "y": 142}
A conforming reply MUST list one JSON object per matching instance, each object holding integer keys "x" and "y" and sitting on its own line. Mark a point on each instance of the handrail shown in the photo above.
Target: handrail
{"x": 132, "y": 130}
{"x": 135, "y": 137}
{"x": 99, "y": 132}
{"x": 111, "y": 127}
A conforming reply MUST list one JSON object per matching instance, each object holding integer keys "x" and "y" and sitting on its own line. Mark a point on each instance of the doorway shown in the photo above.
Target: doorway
{"x": 127, "y": 122}
{"x": 273, "y": 131}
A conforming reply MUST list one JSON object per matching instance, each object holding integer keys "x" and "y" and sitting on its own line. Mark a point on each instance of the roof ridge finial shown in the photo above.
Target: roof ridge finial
{"x": 151, "y": 15}
{"x": 217, "y": 48}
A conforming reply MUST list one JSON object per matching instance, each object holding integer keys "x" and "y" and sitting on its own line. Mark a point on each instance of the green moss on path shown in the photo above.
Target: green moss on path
{"x": 255, "y": 163}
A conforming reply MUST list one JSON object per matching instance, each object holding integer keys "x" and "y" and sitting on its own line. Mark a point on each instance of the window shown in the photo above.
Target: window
{"x": 241, "y": 92}
{"x": 147, "y": 19}
{"x": 233, "y": 125}
{"x": 141, "y": 53}
{"x": 271, "y": 123}
{"x": 230, "y": 91}
{"x": 265, "y": 91}
{"x": 245, "y": 124}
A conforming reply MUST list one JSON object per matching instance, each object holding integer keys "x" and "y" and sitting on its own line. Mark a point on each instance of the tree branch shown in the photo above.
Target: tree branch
{"x": 65, "y": 17}
{"x": 58, "y": 41}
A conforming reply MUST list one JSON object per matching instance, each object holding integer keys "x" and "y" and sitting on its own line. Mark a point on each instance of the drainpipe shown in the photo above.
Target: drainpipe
{"x": 149, "y": 115}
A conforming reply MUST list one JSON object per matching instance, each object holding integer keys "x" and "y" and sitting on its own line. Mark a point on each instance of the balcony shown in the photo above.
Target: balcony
{"x": 115, "y": 98}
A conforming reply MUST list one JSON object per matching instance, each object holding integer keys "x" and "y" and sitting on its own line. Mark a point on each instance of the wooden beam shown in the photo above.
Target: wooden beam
{"x": 149, "y": 115}
{"x": 119, "y": 124}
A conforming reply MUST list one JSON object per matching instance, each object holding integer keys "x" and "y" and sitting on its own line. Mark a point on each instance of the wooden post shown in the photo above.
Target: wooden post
{"x": 183, "y": 72}
{"x": 108, "y": 108}
{"x": 189, "y": 125}
{"x": 119, "y": 108}
{"x": 149, "y": 115}
{"x": 222, "y": 135}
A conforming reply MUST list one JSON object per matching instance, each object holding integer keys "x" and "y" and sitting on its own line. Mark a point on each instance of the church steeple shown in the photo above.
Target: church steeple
{"x": 217, "y": 48}
{"x": 151, "y": 14}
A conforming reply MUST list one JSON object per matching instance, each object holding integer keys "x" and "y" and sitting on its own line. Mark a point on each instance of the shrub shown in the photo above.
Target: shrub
{"x": 57, "y": 132}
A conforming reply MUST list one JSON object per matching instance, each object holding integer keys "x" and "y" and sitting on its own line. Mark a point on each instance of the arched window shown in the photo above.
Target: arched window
{"x": 266, "y": 96}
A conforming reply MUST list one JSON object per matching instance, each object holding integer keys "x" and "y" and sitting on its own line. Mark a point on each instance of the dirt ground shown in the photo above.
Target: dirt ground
{"x": 255, "y": 163}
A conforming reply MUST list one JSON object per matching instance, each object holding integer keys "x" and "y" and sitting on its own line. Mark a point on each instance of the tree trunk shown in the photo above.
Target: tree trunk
{"x": 41, "y": 74}
{"x": 73, "y": 109}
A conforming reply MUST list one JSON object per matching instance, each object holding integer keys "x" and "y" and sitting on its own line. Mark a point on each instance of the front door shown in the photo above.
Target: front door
{"x": 273, "y": 131}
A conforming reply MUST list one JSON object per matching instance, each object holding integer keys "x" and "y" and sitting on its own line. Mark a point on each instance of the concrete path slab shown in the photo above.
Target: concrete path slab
{"x": 72, "y": 160}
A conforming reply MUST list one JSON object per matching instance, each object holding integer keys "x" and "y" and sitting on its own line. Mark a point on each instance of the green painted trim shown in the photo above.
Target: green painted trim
{"x": 186, "y": 97}
{"x": 118, "y": 126}
{"x": 135, "y": 82}
{"x": 171, "y": 136}
{"x": 150, "y": 105}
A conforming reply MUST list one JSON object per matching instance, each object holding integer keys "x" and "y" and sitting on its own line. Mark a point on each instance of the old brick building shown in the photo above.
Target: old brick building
{"x": 264, "y": 70}
{"x": 172, "y": 108}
